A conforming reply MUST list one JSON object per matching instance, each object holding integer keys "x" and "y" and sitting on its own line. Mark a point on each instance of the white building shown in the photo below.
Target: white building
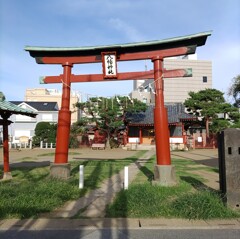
{"x": 23, "y": 127}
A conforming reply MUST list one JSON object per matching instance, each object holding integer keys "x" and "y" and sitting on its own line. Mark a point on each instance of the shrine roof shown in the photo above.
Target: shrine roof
{"x": 198, "y": 39}
{"x": 175, "y": 111}
{"x": 8, "y": 108}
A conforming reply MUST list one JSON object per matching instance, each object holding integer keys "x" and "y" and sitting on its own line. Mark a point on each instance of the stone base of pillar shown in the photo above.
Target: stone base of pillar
{"x": 60, "y": 171}
{"x": 164, "y": 175}
{"x": 7, "y": 176}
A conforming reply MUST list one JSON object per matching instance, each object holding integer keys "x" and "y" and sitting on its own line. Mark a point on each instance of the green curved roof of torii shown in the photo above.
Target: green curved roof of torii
{"x": 198, "y": 39}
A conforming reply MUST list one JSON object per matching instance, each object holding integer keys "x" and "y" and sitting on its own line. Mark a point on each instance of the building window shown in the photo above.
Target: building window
{"x": 204, "y": 79}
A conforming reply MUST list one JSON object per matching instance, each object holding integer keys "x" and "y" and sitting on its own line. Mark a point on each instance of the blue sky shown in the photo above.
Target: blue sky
{"x": 100, "y": 22}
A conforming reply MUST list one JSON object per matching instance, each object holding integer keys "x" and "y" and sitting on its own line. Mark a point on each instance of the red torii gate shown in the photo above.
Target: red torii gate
{"x": 109, "y": 55}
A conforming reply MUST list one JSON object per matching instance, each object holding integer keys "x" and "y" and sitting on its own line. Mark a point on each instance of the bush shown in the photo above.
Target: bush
{"x": 45, "y": 132}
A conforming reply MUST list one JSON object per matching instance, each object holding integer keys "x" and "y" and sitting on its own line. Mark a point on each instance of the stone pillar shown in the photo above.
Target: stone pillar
{"x": 164, "y": 175}
{"x": 60, "y": 171}
{"x": 229, "y": 166}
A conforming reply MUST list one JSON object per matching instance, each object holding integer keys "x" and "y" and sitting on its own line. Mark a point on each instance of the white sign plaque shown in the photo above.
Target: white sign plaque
{"x": 109, "y": 64}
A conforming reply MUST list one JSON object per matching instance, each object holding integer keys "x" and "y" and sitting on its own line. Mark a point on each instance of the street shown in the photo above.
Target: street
{"x": 123, "y": 234}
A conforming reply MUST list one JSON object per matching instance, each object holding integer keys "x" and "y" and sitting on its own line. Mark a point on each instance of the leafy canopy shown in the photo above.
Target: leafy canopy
{"x": 210, "y": 105}
{"x": 234, "y": 90}
{"x": 109, "y": 113}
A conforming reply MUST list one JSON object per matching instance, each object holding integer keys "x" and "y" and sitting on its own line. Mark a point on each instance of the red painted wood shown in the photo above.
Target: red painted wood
{"x": 5, "y": 147}
{"x": 140, "y": 136}
{"x": 174, "y": 73}
{"x": 178, "y": 51}
{"x": 64, "y": 119}
{"x": 99, "y": 77}
{"x": 160, "y": 117}
{"x": 121, "y": 76}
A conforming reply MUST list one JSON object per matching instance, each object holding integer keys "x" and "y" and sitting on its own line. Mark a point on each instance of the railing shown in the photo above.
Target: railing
{"x": 47, "y": 145}
{"x": 21, "y": 145}
{"x": 28, "y": 145}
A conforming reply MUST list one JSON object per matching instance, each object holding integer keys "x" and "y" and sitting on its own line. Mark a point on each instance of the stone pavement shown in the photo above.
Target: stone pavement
{"x": 95, "y": 201}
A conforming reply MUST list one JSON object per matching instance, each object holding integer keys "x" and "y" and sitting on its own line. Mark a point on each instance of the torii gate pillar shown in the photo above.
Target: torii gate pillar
{"x": 61, "y": 167}
{"x": 164, "y": 172}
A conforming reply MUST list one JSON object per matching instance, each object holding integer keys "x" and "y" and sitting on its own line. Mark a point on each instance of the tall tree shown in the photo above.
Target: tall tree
{"x": 108, "y": 114}
{"x": 234, "y": 90}
{"x": 210, "y": 106}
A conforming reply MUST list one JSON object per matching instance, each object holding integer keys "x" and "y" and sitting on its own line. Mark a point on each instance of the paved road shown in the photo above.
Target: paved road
{"x": 119, "y": 228}
{"x": 123, "y": 234}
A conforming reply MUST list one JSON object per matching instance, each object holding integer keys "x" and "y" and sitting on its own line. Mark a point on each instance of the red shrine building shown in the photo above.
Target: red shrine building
{"x": 141, "y": 126}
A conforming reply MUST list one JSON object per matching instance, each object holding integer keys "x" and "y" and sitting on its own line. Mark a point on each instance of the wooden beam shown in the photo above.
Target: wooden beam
{"x": 121, "y": 76}
{"x": 179, "y": 51}
{"x": 120, "y": 56}
{"x": 177, "y": 73}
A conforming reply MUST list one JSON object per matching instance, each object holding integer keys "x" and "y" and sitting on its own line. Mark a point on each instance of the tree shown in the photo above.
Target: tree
{"x": 210, "y": 106}
{"x": 234, "y": 90}
{"x": 77, "y": 128}
{"x": 108, "y": 114}
{"x": 46, "y": 132}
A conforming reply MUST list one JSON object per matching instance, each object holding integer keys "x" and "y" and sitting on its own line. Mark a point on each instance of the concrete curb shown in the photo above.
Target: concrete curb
{"x": 127, "y": 223}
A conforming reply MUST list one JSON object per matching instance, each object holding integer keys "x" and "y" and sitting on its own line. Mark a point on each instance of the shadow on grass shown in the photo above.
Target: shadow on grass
{"x": 197, "y": 184}
{"x": 30, "y": 180}
{"x": 21, "y": 196}
{"x": 30, "y": 164}
{"x": 148, "y": 173}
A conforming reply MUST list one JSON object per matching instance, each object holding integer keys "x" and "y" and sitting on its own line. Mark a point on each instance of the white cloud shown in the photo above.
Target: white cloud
{"x": 130, "y": 32}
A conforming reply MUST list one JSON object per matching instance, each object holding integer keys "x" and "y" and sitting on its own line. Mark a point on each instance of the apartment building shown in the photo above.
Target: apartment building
{"x": 53, "y": 95}
{"x": 176, "y": 89}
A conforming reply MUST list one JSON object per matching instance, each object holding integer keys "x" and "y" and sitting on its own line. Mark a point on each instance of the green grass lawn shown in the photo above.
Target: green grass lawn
{"x": 190, "y": 199}
{"x": 32, "y": 191}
